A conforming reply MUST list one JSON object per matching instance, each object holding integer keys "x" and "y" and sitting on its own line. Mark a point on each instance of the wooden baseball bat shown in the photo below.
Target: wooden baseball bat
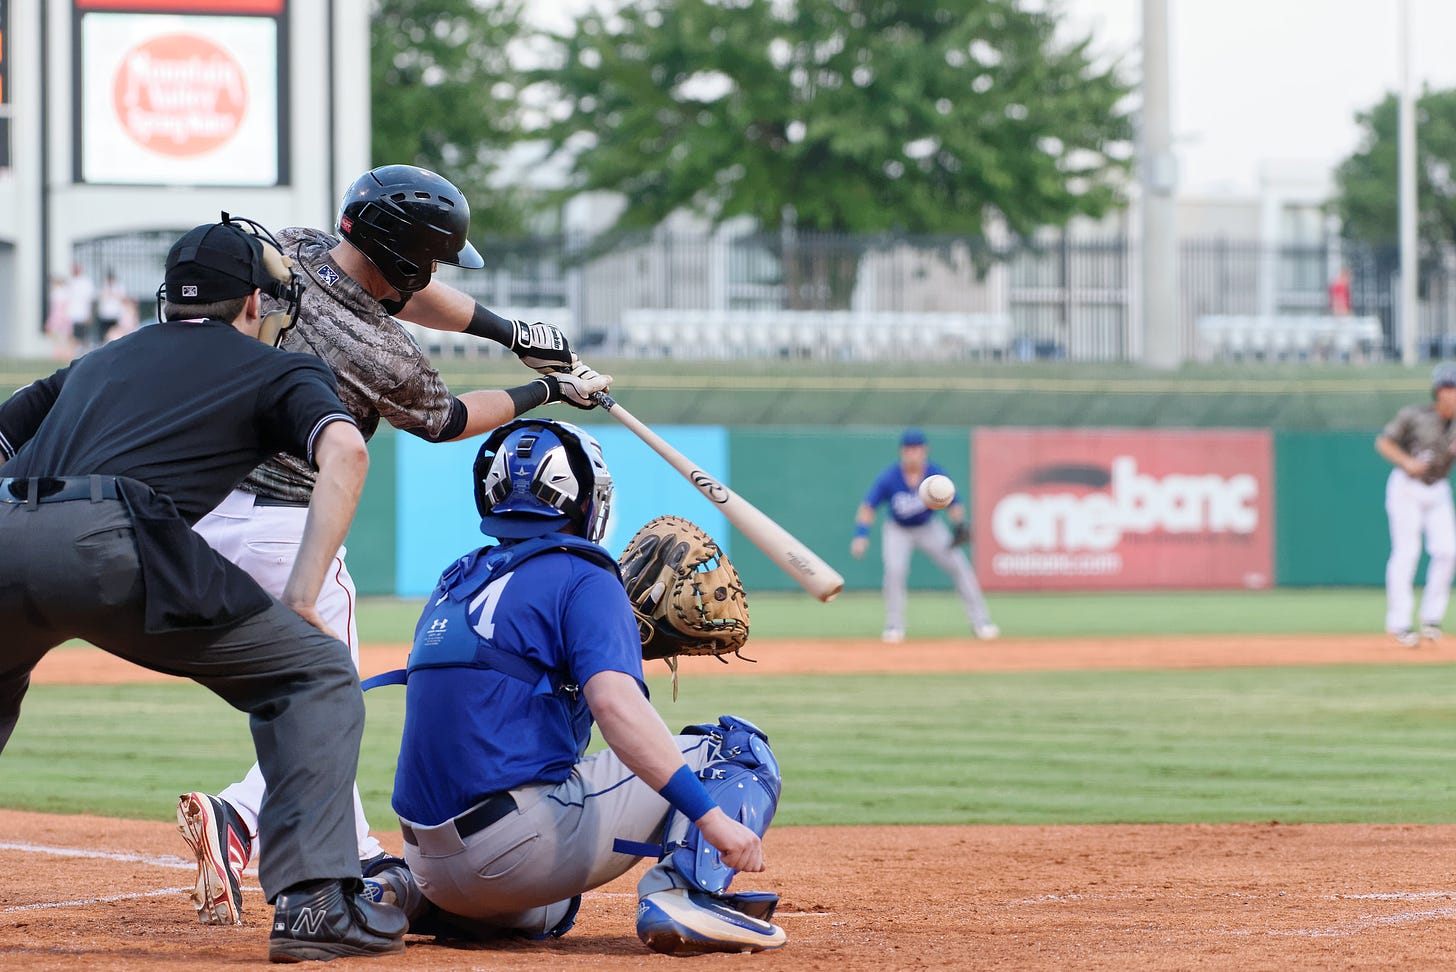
{"x": 795, "y": 559}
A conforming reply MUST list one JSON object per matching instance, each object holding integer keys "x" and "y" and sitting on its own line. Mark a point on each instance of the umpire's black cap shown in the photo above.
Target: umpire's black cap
{"x": 213, "y": 262}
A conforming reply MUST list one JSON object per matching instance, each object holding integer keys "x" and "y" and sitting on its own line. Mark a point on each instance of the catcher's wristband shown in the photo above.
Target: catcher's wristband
{"x": 687, "y": 794}
{"x": 860, "y": 530}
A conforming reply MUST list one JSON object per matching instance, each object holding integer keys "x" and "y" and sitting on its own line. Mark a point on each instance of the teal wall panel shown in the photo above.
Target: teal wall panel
{"x": 371, "y": 545}
{"x": 1330, "y": 526}
{"x": 811, "y": 479}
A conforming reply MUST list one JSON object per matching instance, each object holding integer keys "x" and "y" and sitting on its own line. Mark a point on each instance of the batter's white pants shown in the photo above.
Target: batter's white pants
{"x": 1414, "y": 508}
{"x": 263, "y": 540}
{"x": 933, "y": 538}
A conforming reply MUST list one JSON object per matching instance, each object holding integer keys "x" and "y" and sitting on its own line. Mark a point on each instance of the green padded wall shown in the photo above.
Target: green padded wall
{"x": 811, "y": 479}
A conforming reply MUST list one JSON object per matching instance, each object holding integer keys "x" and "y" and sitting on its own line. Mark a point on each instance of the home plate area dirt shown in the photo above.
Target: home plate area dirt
{"x": 96, "y": 893}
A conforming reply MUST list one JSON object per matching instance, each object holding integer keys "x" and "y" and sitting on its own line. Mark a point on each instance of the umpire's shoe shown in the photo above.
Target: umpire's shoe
{"x": 329, "y": 919}
{"x": 679, "y": 922}
{"x": 222, "y": 847}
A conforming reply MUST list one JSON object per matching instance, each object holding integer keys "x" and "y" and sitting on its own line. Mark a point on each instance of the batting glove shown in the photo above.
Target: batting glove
{"x": 542, "y": 347}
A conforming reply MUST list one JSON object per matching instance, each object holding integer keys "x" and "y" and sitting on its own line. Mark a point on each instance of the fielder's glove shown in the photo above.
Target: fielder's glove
{"x": 542, "y": 347}
{"x": 687, "y": 596}
{"x": 960, "y": 534}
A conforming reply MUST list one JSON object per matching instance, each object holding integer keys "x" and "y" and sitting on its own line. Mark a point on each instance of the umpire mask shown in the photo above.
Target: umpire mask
{"x": 283, "y": 283}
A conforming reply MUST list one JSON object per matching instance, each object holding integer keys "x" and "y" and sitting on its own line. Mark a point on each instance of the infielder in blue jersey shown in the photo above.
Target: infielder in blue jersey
{"x": 911, "y": 525}
{"x": 520, "y": 649}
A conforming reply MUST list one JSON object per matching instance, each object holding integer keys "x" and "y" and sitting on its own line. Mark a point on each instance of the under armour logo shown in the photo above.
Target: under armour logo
{"x": 439, "y": 624}
{"x": 309, "y": 922}
{"x": 328, "y": 274}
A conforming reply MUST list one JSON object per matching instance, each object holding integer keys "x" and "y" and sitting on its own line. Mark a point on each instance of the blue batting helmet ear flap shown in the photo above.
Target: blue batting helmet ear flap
{"x": 534, "y": 476}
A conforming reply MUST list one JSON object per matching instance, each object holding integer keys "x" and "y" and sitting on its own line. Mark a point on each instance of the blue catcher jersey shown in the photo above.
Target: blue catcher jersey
{"x": 543, "y": 627}
{"x": 904, "y": 503}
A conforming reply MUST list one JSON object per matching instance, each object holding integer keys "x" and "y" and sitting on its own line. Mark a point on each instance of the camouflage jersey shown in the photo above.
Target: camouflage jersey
{"x": 1422, "y": 433}
{"x": 382, "y": 373}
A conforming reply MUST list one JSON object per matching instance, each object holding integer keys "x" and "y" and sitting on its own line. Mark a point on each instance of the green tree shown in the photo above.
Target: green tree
{"x": 1367, "y": 183}
{"x": 445, "y": 96}
{"x": 844, "y": 116}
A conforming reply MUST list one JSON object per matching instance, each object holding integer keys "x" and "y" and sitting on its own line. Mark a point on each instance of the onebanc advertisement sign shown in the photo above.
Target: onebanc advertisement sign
{"x": 1123, "y": 508}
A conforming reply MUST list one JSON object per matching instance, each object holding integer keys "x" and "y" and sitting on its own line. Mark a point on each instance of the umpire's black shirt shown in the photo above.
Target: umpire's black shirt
{"x": 180, "y": 411}
{"x": 187, "y": 407}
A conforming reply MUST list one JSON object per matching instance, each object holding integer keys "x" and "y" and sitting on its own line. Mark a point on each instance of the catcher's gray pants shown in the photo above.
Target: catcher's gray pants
{"x": 521, "y": 872}
{"x": 69, "y": 570}
{"x": 934, "y": 539}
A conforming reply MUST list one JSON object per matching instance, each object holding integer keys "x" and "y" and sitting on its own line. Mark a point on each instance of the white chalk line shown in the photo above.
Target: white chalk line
{"x": 82, "y": 902}
{"x": 178, "y": 863}
{"x": 1338, "y": 930}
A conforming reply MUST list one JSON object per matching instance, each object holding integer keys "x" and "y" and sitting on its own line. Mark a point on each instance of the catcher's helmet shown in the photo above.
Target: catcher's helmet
{"x": 404, "y": 219}
{"x": 1444, "y": 376}
{"x": 533, "y": 476}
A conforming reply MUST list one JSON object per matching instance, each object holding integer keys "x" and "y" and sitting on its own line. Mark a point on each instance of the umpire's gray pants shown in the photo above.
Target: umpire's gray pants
{"x": 69, "y": 570}
{"x": 934, "y": 539}
{"x": 520, "y": 873}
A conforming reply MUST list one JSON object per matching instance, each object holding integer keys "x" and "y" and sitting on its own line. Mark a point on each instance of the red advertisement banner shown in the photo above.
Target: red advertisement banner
{"x": 1059, "y": 509}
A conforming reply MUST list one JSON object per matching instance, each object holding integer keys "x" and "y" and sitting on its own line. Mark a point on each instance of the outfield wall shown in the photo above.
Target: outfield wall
{"x": 1062, "y": 509}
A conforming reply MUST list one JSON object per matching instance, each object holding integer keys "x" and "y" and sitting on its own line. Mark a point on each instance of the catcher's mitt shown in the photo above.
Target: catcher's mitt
{"x": 686, "y": 595}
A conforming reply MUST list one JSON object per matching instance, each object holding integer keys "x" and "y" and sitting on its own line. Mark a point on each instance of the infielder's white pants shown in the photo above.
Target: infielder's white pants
{"x": 934, "y": 539}
{"x": 1414, "y": 508}
{"x": 263, "y": 541}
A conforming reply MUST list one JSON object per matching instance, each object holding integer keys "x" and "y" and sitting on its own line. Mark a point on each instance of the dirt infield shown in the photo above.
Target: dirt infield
{"x": 100, "y": 893}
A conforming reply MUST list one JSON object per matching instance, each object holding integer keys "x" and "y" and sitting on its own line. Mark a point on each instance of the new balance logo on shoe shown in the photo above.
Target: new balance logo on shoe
{"x": 309, "y": 922}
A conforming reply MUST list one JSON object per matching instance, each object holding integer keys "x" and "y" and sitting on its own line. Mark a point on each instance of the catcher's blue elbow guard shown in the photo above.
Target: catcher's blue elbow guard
{"x": 743, "y": 778}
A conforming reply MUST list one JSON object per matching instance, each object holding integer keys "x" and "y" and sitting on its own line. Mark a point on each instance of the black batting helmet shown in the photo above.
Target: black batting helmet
{"x": 404, "y": 219}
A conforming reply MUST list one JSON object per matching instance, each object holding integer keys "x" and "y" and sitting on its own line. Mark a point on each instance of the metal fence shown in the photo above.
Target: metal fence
{"x": 1062, "y": 296}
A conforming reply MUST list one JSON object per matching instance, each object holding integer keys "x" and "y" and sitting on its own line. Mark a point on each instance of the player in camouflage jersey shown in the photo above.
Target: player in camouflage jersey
{"x": 395, "y": 224}
{"x": 1419, "y": 443}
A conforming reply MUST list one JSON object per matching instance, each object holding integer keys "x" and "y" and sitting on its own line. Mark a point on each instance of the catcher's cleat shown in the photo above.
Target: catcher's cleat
{"x": 1406, "y": 638}
{"x": 222, "y": 847}
{"x": 892, "y": 636}
{"x": 988, "y": 631}
{"x": 1430, "y": 632}
{"x": 677, "y": 922}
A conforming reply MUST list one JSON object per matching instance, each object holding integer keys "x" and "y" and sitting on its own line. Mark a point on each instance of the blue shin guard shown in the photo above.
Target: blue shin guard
{"x": 743, "y": 779}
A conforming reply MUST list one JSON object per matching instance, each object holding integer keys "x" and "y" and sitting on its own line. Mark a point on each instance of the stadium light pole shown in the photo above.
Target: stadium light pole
{"x": 1406, "y": 141}
{"x": 1158, "y": 172}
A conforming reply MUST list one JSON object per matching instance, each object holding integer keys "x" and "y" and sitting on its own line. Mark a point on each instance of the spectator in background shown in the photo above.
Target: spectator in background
{"x": 110, "y": 305}
{"x": 1340, "y": 293}
{"x": 128, "y": 322}
{"x": 58, "y": 320}
{"x": 81, "y": 301}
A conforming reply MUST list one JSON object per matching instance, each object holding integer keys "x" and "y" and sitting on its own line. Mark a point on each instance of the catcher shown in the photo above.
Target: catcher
{"x": 522, "y": 647}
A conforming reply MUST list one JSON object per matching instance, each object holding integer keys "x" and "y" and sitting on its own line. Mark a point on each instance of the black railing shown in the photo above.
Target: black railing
{"x": 1065, "y": 296}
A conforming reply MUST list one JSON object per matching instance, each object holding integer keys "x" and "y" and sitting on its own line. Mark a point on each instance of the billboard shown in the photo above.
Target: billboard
{"x": 1063, "y": 509}
{"x": 181, "y": 98}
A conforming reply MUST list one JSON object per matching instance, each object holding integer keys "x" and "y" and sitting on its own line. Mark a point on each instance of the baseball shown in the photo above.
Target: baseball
{"x": 936, "y": 492}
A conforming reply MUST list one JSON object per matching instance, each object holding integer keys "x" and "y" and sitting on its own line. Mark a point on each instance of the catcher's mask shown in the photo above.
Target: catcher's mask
{"x": 218, "y": 261}
{"x": 533, "y": 476}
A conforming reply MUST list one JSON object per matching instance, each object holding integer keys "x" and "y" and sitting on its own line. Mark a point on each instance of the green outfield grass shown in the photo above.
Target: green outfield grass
{"x": 1310, "y": 744}
{"x": 938, "y": 614}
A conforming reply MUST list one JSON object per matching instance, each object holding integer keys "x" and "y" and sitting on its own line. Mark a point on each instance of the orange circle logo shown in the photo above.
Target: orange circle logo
{"x": 179, "y": 95}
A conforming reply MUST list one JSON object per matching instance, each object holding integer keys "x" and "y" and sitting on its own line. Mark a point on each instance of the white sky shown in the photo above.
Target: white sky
{"x": 1258, "y": 82}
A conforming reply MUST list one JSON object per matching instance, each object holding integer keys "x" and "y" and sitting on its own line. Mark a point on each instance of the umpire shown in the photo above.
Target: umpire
{"x": 109, "y": 461}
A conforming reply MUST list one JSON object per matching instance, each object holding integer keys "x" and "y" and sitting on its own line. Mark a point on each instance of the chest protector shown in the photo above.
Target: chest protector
{"x": 450, "y": 610}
